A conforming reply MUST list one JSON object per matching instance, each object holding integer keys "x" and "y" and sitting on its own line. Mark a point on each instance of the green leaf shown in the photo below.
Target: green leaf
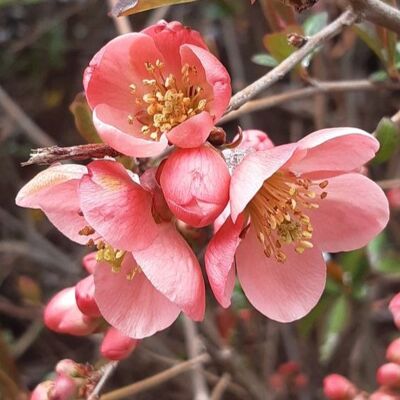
{"x": 83, "y": 119}
{"x": 388, "y": 135}
{"x": 315, "y": 23}
{"x": 382, "y": 257}
{"x": 265, "y": 60}
{"x": 278, "y": 45}
{"x": 127, "y": 7}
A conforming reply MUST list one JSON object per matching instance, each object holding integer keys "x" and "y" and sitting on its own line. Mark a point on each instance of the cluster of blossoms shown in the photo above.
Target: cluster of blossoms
{"x": 338, "y": 387}
{"x": 275, "y": 209}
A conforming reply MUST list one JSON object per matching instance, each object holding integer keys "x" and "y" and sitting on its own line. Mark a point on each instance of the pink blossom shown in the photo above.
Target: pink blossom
{"x": 393, "y": 351}
{"x": 62, "y": 315}
{"x": 157, "y": 86}
{"x": 337, "y": 387}
{"x": 42, "y": 391}
{"x": 255, "y": 139}
{"x": 146, "y": 273}
{"x": 289, "y": 204}
{"x": 195, "y": 183}
{"x": 389, "y": 375}
{"x": 394, "y": 308}
{"x": 116, "y": 346}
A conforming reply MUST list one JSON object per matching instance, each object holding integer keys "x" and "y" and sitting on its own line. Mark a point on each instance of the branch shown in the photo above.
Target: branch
{"x": 50, "y": 155}
{"x": 331, "y": 30}
{"x": 122, "y": 24}
{"x": 108, "y": 370}
{"x": 220, "y": 387}
{"x": 155, "y": 380}
{"x": 319, "y": 87}
{"x": 379, "y": 13}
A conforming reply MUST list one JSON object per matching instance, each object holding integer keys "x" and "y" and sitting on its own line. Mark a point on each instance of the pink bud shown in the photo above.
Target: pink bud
{"x": 62, "y": 315}
{"x": 393, "y": 351}
{"x": 89, "y": 262}
{"x": 337, "y": 387}
{"x": 65, "y": 388}
{"x": 394, "y": 307}
{"x": 68, "y": 367}
{"x": 84, "y": 295}
{"x": 389, "y": 375}
{"x": 255, "y": 139}
{"x": 195, "y": 183}
{"x": 41, "y": 391}
{"x": 384, "y": 394}
{"x": 116, "y": 346}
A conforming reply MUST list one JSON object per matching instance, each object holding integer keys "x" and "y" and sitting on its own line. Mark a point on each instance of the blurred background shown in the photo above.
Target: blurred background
{"x": 45, "y": 46}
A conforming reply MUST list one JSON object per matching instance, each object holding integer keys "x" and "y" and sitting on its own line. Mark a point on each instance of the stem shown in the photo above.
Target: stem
{"x": 155, "y": 380}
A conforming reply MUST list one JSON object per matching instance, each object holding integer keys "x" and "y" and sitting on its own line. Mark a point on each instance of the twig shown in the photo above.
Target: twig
{"x": 155, "y": 380}
{"x": 15, "y": 311}
{"x": 345, "y": 19}
{"x": 122, "y": 24}
{"x": 28, "y": 338}
{"x": 108, "y": 370}
{"x": 389, "y": 183}
{"x": 200, "y": 390}
{"x": 50, "y": 155}
{"x": 33, "y": 132}
{"x": 220, "y": 387}
{"x": 379, "y": 13}
{"x": 319, "y": 87}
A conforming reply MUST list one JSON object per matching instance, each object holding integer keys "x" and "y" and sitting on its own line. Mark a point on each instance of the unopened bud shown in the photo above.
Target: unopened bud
{"x": 393, "y": 351}
{"x": 384, "y": 394}
{"x": 337, "y": 387}
{"x": 289, "y": 368}
{"x": 116, "y": 346}
{"x": 389, "y": 375}
{"x": 84, "y": 295}
{"x": 42, "y": 391}
{"x": 394, "y": 307}
{"x": 65, "y": 388}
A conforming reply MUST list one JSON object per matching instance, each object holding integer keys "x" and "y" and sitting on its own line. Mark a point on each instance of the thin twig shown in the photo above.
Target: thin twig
{"x": 345, "y": 19}
{"x": 122, "y": 24}
{"x": 379, "y": 13}
{"x": 193, "y": 346}
{"x": 220, "y": 387}
{"x": 155, "y": 380}
{"x": 389, "y": 183}
{"x": 16, "y": 114}
{"x": 323, "y": 87}
{"x": 108, "y": 370}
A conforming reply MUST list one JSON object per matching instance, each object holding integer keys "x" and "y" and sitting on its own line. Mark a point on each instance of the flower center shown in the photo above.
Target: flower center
{"x": 167, "y": 101}
{"x": 278, "y": 213}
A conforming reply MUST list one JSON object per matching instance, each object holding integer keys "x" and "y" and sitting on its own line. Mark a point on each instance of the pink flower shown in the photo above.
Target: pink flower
{"x": 157, "y": 86}
{"x": 195, "y": 183}
{"x": 62, "y": 315}
{"x": 146, "y": 273}
{"x": 393, "y": 351}
{"x": 116, "y": 346}
{"x": 337, "y": 387}
{"x": 289, "y": 204}
{"x": 394, "y": 307}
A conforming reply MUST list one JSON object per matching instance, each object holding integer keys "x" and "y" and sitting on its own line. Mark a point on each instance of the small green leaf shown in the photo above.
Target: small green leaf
{"x": 315, "y": 23}
{"x": 278, "y": 45}
{"x": 265, "y": 60}
{"x": 388, "y": 135}
{"x": 83, "y": 119}
{"x": 127, "y": 7}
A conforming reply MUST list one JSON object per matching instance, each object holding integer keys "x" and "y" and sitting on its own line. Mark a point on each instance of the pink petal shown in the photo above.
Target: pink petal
{"x": 250, "y": 174}
{"x": 254, "y": 139}
{"x": 215, "y": 74}
{"x": 133, "y": 306}
{"x": 335, "y": 149}
{"x": 118, "y": 208}
{"x": 84, "y": 297}
{"x": 195, "y": 183}
{"x": 353, "y": 213}
{"x": 171, "y": 266}
{"x": 285, "y": 291}
{"x": 113, "y": 127}
{"x": 193, "y": 132}
{"x": 55, "y": 192}
{"x": 120, "y": 63}
{"x": 219, "y": 260}
{"x": 89, "y": 262}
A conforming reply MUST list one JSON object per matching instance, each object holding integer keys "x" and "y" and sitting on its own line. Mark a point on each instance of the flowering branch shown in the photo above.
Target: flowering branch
{"x": 155, "y": 379}
{"x": 345, "y": 19}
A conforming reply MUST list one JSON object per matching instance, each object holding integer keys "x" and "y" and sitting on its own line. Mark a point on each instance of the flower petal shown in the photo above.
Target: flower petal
{"x": 219, "y": 259}
{"x": 55, "y": 192}
{"x": 193, "y": 132}
{"x": 335, "y": 149}
{"x": 285, "y": 291}
{"x": 133, "y": 306}
{"x": 250, "y": 174}
{"x": 171, "y": 266}
{"x": 354, "y": 212}
{"x": 113, "y": 127}
{"x": 116, "y": 207}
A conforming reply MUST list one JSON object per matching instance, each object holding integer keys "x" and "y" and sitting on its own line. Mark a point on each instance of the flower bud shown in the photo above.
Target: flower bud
{"x": 393, "y": 351}
{"x": 289, "y": 368}
{"x": 116, "y": 346}
{"x": 84, "y": 296}
{"x": 89, "y": 262}
{"x": 389, "y": 375}
{"x": 62, "y": 315}
{"x": 195, "y": 183}
{"x": 337, "y": 387}
{"x": 394, "y": 307}
{"x": 384, "y": 394}
{"x": 65, "y": 388}
{"x": 255, "y": 139}
{"x": 42, "y": 391}
{"x": 68, "y": 367}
